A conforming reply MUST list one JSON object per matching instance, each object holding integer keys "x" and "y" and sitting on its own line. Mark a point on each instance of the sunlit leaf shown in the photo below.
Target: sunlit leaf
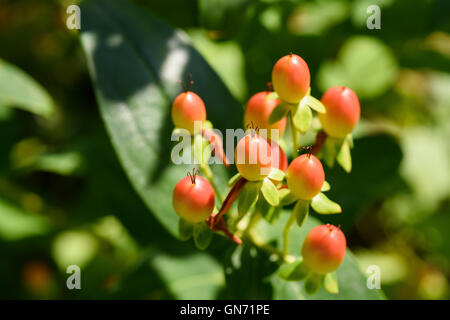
{"x": 330, "y": 283}
{"x": 314, "y": 104}
{"x": 286, "y": 197}
{"x": 248, "y": 197}
{"x": 270, "y": 192}
{"x": 344, "y": 157}
{"x": 302, "y": 118}
{"x": 18, "y": 89}
{"x": 295, "y": 271}
{"x": 278, "y": 113}
{"x": 185, "y": 229}
{"x": 301, "y": 211}
{"x": 325, "y": 187}
{"x": 268, "y": 212}
{"x": 321, "y": 204}
{"x": 312, "y": 283}
{"x": 276, "y": 174}
{"x": 202, "y": 235}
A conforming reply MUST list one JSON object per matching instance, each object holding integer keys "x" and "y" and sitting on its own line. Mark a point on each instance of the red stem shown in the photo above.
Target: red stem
{"x": 232, "y": 196}
{"x": 217, "y": 144}
{"x": 320, "y": 140}
{"x": 220, "y": 225}
{"x": 216, "y": 221}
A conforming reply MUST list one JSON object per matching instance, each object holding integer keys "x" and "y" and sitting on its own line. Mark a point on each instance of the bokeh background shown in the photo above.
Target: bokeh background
{"x": 64, "y": 196}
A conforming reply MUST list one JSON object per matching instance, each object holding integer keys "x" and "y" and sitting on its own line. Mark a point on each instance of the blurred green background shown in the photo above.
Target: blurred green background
{"x": 65, "y": 199}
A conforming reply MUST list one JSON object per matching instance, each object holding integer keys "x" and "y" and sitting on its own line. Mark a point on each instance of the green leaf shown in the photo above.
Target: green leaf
{"x": 197, "y": 149}
{"x": 325, "y": 187}
{"x": 135, "y": 74}
{"x": 312, "y": 283}
{"x": 330, "y": 283}
{"x": 295, "y": 271}
{"x": 189, "y": 276}
{"x": 18, "y": 89}
{"x": 349, "y": 139}
{"x": 268, "y": 212}
{"x": 314, "y": 104}
{"x": 278, "y": 113}
{"x": 248, "y": 197}
{"x": 270, "y": 192}
{"x": 286, "y": 197}
{"x": 301, "y": 210}
{"x": 302, "y": 118}
{"x": 329, "y": 151}
{"x": 321, "y": 204}
{"x": 185, "y": 229}
{"x": 276, "y": 174}
{"x": 233, "y": 179}
{"x": 344, "y": 157}
{"x": 202, "y": 235}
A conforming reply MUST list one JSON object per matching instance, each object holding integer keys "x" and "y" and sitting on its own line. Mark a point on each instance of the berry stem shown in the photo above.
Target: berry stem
{"x": 220, "y": 225}
{"x": 217, "y": 145}
{"x": 286, "y": 230}
{"x": 231, "y": 197}
{"x": 320, "y": 140}
{"x": 295, "y": 142}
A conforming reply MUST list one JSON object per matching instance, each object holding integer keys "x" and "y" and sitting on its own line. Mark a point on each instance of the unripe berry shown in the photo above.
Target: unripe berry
{"x": 279, "y": 159}
{"x": 291, "y": 78}
{"x": 343, "y": 111}
{"x": 258, "y": 111}
{"x": 305, "y": 176}
{"x": 187, "y": 108}
{"x": 324, "y": 249}
{"x": 193, "y": 198}
{"x": 253, "y": 157}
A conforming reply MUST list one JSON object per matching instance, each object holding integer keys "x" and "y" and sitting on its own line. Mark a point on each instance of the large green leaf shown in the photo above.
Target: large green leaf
{"x": 195, "y": 276}
{"x": 135, "y": 62}
{"x": 352, "y": 281}
{"x": 18, "y": 89}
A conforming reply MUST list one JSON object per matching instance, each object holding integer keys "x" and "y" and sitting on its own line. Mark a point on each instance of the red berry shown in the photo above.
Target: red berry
{"x": 258, "y": 111}
{"x": 291, "y": 78}
{"x": 193, "y": 198}
{"x": 324, "y": 249}
{"x": 279, "y": 159}
{"x": 187, "y": 108}
{"x": 253, "y": 157}
{"x": 343, "y": 111}
{"x": 305, "y": 176}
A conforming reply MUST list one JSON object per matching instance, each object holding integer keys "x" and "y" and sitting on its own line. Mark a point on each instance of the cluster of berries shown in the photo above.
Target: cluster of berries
{"x": 263, "y": 165}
